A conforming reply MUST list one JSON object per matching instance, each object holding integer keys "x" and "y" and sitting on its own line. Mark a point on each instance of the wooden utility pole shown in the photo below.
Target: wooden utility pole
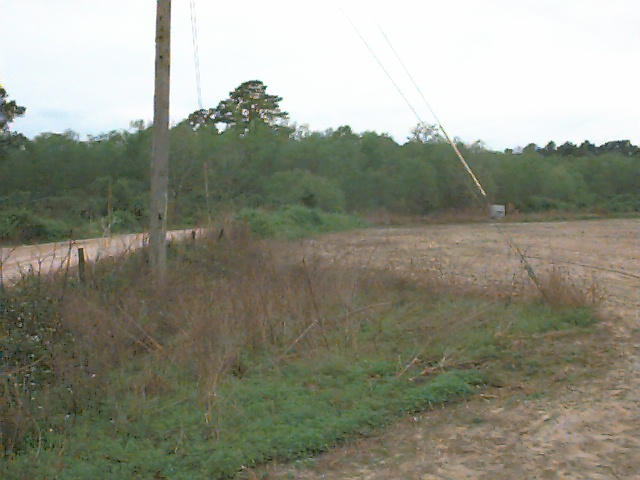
{"x": 160, "y": 148}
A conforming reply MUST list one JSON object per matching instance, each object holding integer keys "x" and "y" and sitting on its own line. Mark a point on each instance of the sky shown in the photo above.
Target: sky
{"x": 507, "y": 72}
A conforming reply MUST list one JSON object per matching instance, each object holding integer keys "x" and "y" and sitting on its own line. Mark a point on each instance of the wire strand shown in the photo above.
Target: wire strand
{"x": 510, "y": 242}
{"x": 433, "y": 113}
{"x": 196, "y": 55}
{"x": 406, "y": 70}
{"x": 381, "y": 65}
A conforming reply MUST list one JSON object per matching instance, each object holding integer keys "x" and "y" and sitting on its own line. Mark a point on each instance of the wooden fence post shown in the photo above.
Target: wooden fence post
{"x": 81, "y": 264}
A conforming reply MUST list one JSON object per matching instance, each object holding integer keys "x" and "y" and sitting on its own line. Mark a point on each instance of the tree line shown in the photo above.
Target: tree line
{"x": 244, "y": 153}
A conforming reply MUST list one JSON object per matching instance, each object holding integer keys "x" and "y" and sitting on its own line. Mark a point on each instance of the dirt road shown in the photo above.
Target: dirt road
{"x": 589, "y": 430}
{"x": 52, "y": 257}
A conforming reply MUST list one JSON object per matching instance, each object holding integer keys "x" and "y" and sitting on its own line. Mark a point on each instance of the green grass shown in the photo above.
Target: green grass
{"x": 305, "y": 403}
{"x": 544, "y": 319}
{"x": 282, "y": 416}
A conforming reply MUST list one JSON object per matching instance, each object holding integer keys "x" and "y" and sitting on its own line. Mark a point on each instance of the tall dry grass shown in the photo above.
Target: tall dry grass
{"x": 560, "y": 288}
{"x": 226, "y": 299}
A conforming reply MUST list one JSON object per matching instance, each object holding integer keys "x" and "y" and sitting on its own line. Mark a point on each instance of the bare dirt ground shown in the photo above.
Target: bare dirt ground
{"x": 580, "y": 430}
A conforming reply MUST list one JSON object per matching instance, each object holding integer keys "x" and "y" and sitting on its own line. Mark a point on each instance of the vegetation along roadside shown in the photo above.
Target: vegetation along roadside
{"x": 252, "y": 355}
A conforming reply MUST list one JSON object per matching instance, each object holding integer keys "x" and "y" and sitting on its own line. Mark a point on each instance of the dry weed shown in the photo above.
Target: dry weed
{"x": 559, "y": 287}
{"x": 228, "y": 296}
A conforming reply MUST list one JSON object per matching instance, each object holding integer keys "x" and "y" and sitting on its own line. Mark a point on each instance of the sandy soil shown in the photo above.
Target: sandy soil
{"x": 589, "y": 430}
{"x": 53, "y": 257}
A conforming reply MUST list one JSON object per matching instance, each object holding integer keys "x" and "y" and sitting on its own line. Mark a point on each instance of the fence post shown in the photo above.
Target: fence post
{"x": 81, "y": 264}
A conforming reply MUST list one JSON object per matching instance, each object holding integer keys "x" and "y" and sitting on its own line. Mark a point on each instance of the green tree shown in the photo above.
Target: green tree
{"x": 567, "y": 148}
{"x": 423, "y": 133}
{"x": 549, "y": 149}
{"x": 303, "y": 188}
{"x": 9, "y": 111}
{"x": 250, "y": 102}
{"x": 201, "y": 118}
{"x": 624, "y": 147}
{"x": 586, "y": 148}
{"x": 247, "y": 103}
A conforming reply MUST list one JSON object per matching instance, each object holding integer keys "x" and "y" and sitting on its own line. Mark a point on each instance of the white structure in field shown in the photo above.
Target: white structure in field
{"x": 496, "y": 211}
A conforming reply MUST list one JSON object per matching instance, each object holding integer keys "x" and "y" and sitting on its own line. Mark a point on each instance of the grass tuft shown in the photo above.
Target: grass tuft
{"x": 560, "y": 289}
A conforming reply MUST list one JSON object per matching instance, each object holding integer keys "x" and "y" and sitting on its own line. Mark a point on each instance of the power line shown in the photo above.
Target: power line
{"x": 415, "y": 84}
{"x": 196, "y": 56}
{"x": 410, "y": 105}
{"x": 510, "y": 242}
{"x": 439, "y": 123}
{"x": 381, "y": 65}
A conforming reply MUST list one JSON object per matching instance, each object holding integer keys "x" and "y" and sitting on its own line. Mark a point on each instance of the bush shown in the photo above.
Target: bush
{"x": 258, "y": 221}
{"x": 125, "y": 221}
{"x": 21, "y": 225}
{"x": 296, "y": 221}
{"x": 300, "y": 187}
{"x": 621, "y": 203}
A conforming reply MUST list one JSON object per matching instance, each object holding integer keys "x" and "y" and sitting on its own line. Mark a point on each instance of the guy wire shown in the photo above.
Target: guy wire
{"x": 415, "y": 84}
{"x": 382, "y": 67}
{"x": 196, "y": 56}
{"x": 438, "y": 122}
{"x": 521, "y": 256}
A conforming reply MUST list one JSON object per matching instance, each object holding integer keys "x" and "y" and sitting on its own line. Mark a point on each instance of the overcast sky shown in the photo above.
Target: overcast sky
{"x": 506, "y": 72}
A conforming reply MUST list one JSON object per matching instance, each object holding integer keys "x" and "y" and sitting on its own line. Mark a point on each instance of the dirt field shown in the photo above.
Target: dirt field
{"x": 589, "y": 430}
{"x": 586, "y": 430}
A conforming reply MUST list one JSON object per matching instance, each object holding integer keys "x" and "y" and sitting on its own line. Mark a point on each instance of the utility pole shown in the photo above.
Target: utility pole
{"x": 160, "y": 145}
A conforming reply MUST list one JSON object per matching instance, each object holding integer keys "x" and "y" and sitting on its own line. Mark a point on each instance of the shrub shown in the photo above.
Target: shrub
{"x": 21, "y": 225}
{"x": 621, "y": 203}
{"x": 258, "y": 221}
{"x": 300, "y": 187}
{"x": 296, "y": 221}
